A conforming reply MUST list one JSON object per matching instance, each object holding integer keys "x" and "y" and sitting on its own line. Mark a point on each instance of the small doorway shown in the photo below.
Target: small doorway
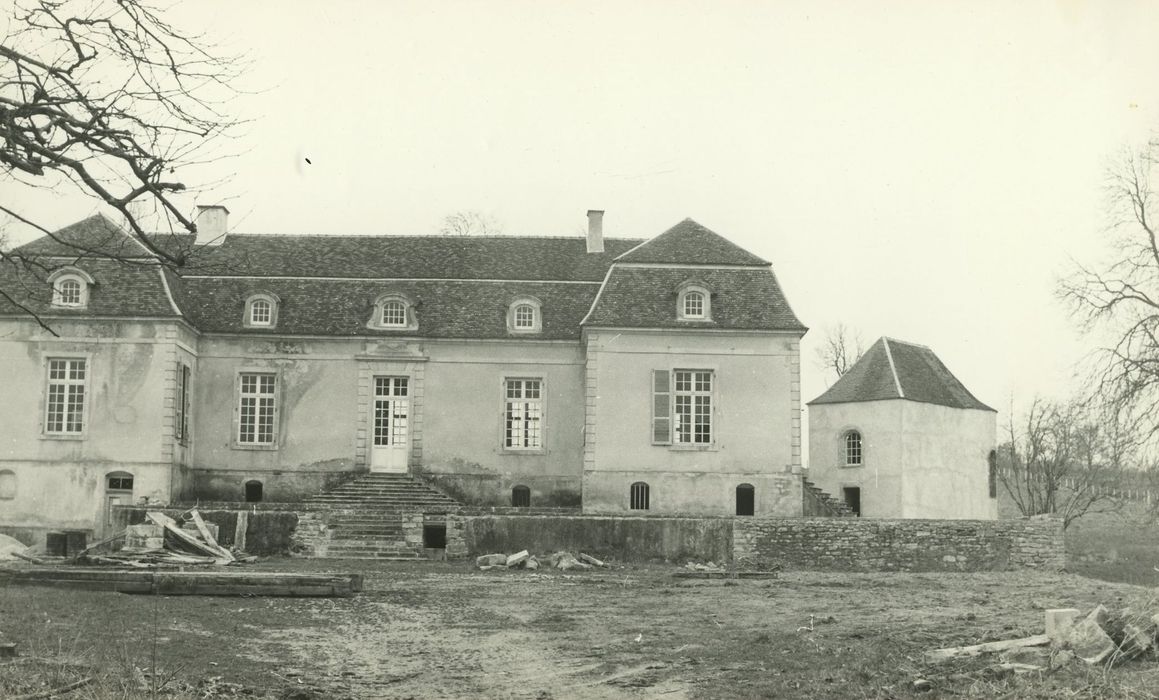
{"x": 852, "y": 496}
{"x": 390, "y": 425}
{"x": 118, "y": 492}
{"x": 253, "y": 491}
{"x": 746, "y": 499}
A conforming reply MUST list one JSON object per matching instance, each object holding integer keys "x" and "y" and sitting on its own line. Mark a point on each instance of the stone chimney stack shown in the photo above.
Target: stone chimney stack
{"x": 211, "y": 223}
{"x": 595, "y": 231}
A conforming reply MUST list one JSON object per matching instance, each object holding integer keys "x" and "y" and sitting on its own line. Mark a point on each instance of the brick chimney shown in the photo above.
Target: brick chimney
{"x": 212, "y": 220}
{"x": 595, "y": 230}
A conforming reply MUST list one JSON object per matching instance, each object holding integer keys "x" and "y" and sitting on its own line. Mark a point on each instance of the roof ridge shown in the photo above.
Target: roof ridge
{"x": 906, "y": 342}
{"x": 892, "y": 367}
{"x": 419, "y": 235}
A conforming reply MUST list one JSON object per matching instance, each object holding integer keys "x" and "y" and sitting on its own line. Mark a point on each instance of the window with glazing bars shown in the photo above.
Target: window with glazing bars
{"x": 639, "y": 496}
{"x": 391, "y": 408}
{"x": 693, "y": 407}
{"x": 852, "y": 449}
{"x": 261, "y": 313}
{"x": 394, "y": 313}
{"x": 525, "y": 316}
{"x": 522, "y": 428}
{"x": 65, "y": 408}
{"x": 257, "y": 409}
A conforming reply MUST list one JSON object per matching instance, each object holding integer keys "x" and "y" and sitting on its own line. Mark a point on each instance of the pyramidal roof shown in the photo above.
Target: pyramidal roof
{"x": 689, "y": 241}
{"x": 893, "y": 369}
{"x": 96, "y": 235}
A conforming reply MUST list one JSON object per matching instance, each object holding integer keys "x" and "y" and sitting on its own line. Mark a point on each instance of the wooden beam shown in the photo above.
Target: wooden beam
{"x": 987, "y": 647}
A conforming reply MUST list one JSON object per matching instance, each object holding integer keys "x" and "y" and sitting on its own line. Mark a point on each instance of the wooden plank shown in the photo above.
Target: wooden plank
{"x": 987, "y": 647}
{"x": 208, "y": 536}
{"x": 271, "y": 590}
{"x": 170, "y": 525}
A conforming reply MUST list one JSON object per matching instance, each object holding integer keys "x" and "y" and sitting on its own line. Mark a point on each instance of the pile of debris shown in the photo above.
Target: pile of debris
{"x": 524, "y": 560}
{"x": 1103, "y": 637}
{"x": 164, "y": 542}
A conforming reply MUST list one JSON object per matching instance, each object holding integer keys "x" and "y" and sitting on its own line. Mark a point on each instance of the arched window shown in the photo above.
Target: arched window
{"x": 119, "y": 481}
{"x": 852, "y": 449}
{"x": 694, "y": 302}
{"x": 7, "y": 484}
{"x": 521, "y": 497}
{"x": 393, "y": 312}
{"x": 253, "y": 491}
{"x": 639, "y": 496}
{"x": 523, "y": 316}
{"x": 70, "y": 288}
{"x": 745, "y": 499}
{"x": 261, "y": 311}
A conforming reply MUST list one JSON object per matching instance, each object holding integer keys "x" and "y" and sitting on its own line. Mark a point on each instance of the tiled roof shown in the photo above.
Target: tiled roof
{"x": 119, "y": 289}
{"x": 94, "y": 236}
{"x": 445, "y": 309}
{"x": 892, "y": 369}
{"x": 688, "y": 241}
{"x": 409, "y": 257}
{"x": 646, "y": 297}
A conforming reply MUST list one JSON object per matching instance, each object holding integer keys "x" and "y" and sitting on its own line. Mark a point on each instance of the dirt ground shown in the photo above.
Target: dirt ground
{"x": 436, "y": 630}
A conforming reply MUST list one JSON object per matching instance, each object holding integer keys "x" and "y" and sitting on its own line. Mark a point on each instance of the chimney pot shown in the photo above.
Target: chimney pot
{"x": 212, "y": 221}
{"x": 595, "y": 230}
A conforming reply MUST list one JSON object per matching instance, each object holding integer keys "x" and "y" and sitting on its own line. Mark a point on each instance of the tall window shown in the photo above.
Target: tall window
{"x": 853, "y": 449}
{"x": 66, "y": 397}
{"x": 394, "y": 314}
{"x": 261, "y": 313}
{"x": 638, "y": 496}
{"x": 181, "y": 420}
{"x": 257, "y": 409}
{"x": 693, "y": 397}
{"x": 523, "y": 428}
{"x": 682, "y": 407}
{"x": 992, "y": 461}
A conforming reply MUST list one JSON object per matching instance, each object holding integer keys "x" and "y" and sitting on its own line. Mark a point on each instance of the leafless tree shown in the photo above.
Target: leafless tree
{"x": 1119, "y": 300}
{"x": 1065, "y": 458}
{"x": 470, "y": 223}
{"x": 840, "y": 349}
{"x": 106, "y": 98}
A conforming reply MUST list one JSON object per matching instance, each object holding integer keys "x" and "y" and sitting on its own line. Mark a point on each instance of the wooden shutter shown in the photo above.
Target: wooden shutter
{"x": 661, "y": 407}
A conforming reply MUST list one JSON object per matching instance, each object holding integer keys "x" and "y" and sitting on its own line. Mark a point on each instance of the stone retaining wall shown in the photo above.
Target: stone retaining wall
{"x": 860, "y": 544}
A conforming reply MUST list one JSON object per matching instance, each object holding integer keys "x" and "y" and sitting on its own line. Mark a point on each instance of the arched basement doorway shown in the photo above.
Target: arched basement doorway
{"x": 746, "y": 499}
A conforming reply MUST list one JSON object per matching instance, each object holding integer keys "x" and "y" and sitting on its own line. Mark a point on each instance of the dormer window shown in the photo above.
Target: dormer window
{"x": 694, "y": 303}
{"x": 261, "y": 311}
{"x": 70, "y": 288}
{"x": 393, "y": 312}
{"x": 523, "y": 316}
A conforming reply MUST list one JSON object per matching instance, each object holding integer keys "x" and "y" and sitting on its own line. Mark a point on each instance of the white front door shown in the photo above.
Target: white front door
{"x": 390, "y": 422}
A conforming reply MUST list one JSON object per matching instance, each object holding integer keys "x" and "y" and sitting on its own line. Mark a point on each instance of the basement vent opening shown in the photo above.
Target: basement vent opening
{"x": 253, "y": 491}
{"x": 435, "y": 536}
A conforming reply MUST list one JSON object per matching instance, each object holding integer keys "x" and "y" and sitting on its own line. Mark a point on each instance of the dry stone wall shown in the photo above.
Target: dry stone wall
{"x": 860, "y": 544}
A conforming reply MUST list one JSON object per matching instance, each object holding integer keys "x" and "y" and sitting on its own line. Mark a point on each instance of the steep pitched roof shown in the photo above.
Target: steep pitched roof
{"x": 646, "y": 297}
{"x": 892, "y": 369}
{"x": 94, "y": 236}
{"x": 409, "y": 257}
{"x": 445, "y": 308}
{"x": 119, "y": 289}
{"x": 688, "y": 241}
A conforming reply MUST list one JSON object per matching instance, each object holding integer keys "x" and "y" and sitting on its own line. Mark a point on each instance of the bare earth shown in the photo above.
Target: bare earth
{"x": 447, "y": 631}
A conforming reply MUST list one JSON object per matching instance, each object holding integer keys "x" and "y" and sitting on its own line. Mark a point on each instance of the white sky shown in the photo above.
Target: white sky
{"x": 914, "y": 169}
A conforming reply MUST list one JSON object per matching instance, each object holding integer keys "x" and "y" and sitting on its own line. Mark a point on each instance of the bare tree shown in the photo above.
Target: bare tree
{"x": 840, "y": 349}
{"x": 1119, "y": 301}
{"x": 1065, "y": 459}
{"x": 470, "y": 223}
{"x": 106, "y": 98}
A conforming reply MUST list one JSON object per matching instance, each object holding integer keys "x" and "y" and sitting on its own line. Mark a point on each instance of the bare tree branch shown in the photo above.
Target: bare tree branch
{"x": 840, "y": 349}
{"x": 470, "y": 223}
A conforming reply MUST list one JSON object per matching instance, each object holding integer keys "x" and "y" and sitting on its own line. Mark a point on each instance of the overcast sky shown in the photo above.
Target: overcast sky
{"x": 922, "y": 170}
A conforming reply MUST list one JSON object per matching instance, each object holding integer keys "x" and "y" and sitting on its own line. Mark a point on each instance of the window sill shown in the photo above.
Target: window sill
{"x": 63, "y": 436}
{"x": 852, "y": 466}
{"x": 692, "y": 448}
{"x": 530, "y": 451}
{"x": 253, "y": 448}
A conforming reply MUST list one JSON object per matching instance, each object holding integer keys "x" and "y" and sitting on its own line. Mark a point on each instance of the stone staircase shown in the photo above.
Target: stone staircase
{"x": 828, "y": 505}
{"x": 368, "y": 518}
